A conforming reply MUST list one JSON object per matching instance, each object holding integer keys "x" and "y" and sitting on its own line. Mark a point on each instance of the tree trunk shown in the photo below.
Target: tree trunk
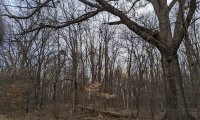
{"x": 106, "y": 78}
{"x": 176, "y": 108}
{"x": 194, "y": 70}
{"x": 74, "y": 78}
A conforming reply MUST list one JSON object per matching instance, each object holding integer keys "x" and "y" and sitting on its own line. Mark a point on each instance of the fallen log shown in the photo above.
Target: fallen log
{"x": 108, "y": 112}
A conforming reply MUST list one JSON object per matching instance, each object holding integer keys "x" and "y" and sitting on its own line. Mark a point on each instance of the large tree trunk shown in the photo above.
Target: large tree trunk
{"x": 176, "y": 108}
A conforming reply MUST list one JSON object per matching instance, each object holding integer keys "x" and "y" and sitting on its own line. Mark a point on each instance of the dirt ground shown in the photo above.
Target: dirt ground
{"x": 81, "y": 116}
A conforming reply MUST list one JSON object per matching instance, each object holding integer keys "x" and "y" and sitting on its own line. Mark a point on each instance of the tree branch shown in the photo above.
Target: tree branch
{"x": 90, "y": 4}
{"x": 108, "y": 113}
{"x": 133, "y": 4}
{"x": 181, "y": 23}
{"x": 147, "y": 34}
{"x": 155, "y": 6}
{"x": 114, "y": 23}
{"x": 179, "y": 26}
{"x": 172, "y": 4}
{"x": 65, "y": 24}
{"x": 191, "y": 12}
{"x": 38, "y": 8}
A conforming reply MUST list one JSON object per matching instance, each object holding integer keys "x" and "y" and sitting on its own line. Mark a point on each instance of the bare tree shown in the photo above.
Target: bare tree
{"x": 165, "y": 38}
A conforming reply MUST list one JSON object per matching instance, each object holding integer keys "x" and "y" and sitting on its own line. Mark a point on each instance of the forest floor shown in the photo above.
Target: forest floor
{"x": 83, "y": 115}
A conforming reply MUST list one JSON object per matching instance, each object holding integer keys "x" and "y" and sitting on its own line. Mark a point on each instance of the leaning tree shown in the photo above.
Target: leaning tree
{"x": 166, "y": 38}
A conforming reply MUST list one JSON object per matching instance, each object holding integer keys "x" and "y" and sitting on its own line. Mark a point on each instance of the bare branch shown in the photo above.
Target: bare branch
{"x": 133, "y": 4}
{"x": 181, "y": 24}
{"x": 38, "y": 8}
{"x": 193, "y": 21}
{"x": 191, "y": 12}
{"x": 145, "y": 33}
{"x": 155, "y": 5}
{"x": 114, "y": 23}
{"x": 90, "y": 4}
{"x": 65, "y": 24}
{"x": 172, "y": 4}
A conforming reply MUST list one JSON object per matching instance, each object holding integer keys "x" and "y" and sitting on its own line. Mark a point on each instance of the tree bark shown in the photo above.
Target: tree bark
{"x": 175, "y": 99}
